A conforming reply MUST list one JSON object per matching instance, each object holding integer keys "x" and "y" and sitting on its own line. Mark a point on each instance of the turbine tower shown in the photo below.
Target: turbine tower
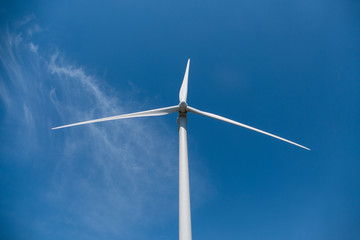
{"x": 182, "y": 108}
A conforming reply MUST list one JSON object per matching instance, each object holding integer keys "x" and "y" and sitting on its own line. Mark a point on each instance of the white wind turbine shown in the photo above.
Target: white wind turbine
{"x": 183, "y": 109}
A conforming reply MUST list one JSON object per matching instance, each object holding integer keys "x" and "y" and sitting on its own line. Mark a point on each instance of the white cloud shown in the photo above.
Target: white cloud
{"x": 35, "y": 28}
{"x": 33, "y": 48}
{"x": 25, "y": 20}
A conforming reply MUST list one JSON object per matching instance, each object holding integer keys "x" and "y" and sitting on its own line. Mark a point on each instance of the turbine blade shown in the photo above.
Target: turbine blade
{"x": 193, "y": 110}
{"x": 149, "y": 113}
{"x": 184, "y": 85}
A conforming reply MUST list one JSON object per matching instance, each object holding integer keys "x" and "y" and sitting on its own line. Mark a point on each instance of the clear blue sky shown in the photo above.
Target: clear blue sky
{"x": 288, "y": 67}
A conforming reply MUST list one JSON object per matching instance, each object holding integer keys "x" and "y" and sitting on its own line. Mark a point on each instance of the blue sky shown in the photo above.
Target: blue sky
{"x": 288, "y": 67}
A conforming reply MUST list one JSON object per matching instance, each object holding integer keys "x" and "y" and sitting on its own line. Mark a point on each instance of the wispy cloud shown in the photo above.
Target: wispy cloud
{"x": 104, "y": 177}
{"x": 33, "y": 48}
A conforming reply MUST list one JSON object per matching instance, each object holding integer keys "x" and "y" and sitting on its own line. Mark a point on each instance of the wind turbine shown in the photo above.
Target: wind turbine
{"x": 183, "y": 109}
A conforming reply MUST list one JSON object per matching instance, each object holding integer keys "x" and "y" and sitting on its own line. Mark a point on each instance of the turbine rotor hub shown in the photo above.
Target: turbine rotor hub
{"x": 182, "y": 107}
